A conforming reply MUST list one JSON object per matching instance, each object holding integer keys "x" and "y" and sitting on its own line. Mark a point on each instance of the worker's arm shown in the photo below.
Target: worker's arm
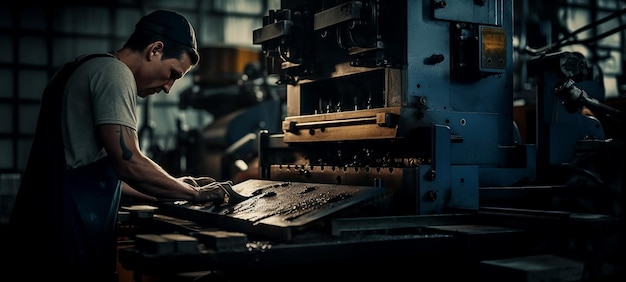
{"x": 130, "y": 192}
{"x": 146, "y": 176}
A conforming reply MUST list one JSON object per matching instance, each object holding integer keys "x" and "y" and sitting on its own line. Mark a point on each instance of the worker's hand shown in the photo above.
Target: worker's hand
{"x": 197, "y": 181}
{"x": 213, "y": 192}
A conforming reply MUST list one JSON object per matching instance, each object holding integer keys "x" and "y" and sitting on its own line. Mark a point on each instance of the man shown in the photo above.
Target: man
{"x": 86, "y": 153}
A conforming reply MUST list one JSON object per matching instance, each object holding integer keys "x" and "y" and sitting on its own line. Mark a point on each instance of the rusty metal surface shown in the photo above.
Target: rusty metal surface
{"x": 275, "y": 208}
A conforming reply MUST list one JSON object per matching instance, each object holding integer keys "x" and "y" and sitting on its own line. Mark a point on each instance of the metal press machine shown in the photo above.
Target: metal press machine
{"x": 403, "y": 111}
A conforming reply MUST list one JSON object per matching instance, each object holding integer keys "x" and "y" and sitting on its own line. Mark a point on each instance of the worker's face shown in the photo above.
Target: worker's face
{"x": 158, "y": 75}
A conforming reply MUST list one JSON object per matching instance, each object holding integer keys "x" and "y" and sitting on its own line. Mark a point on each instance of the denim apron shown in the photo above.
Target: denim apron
{"x": 63, "y": 220}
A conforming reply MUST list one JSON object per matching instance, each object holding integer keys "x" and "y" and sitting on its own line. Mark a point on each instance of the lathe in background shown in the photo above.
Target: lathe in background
{"x": 231, "y": 84}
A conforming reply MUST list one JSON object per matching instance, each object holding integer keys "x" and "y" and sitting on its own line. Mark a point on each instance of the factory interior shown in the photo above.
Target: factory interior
{"x": 428, "y": 140}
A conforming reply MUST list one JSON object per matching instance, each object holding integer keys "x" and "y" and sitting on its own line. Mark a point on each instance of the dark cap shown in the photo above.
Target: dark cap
{"x": 171, "y": 25}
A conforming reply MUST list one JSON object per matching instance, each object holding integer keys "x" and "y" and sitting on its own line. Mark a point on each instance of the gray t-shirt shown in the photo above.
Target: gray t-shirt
{"x": 101, "y": 91}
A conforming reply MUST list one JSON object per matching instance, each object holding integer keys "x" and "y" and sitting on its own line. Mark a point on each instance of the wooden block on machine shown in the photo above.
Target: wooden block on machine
{"x": 154, "y": 244}
{"x": 183, "y": 243}
{"x": 223, "y": 240}
{"x": 140, "y": 211}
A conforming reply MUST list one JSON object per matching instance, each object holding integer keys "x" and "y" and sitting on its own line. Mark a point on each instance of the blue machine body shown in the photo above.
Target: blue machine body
{"x": 415, "y": 96}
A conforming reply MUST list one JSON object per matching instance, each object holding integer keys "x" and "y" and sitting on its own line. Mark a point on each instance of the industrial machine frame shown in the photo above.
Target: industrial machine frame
{"x": 399, "y": 148}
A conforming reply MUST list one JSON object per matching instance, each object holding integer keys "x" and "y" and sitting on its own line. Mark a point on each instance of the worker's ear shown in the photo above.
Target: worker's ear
{"x": 153, "y": 50}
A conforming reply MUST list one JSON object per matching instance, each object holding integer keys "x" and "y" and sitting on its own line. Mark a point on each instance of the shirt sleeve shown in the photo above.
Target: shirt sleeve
{"x": 114, "y": 94}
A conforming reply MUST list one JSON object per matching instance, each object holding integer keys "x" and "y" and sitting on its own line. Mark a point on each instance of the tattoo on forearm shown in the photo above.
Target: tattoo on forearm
{"x": 126, "y": 153}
